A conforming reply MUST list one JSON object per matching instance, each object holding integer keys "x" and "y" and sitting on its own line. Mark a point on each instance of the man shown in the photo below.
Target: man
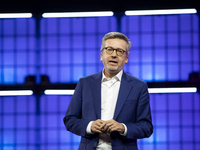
{"x": 110, "y": 110}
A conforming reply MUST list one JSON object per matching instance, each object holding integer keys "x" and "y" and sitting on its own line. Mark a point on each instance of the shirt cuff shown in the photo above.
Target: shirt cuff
{"x": 125, "y": 130}
{"x": 88, "y": 129}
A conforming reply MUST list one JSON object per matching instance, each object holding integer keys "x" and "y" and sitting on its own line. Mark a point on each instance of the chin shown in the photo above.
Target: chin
{"x": 114, "y": 70}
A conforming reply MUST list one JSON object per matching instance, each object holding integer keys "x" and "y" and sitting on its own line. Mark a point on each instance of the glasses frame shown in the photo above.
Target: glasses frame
{"x": 117, "y": 50}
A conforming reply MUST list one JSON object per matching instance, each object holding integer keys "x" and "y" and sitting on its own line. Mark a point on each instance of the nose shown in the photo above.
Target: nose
{"x": 114, "y": 54}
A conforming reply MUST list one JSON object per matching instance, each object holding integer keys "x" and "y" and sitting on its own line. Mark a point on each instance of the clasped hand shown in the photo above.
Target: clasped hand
{"x": 101, "y": 126}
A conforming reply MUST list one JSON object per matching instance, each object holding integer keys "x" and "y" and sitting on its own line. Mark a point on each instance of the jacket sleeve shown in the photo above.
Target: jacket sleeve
{"x": 73, "y": 118}
{"x": 143, "y": 126}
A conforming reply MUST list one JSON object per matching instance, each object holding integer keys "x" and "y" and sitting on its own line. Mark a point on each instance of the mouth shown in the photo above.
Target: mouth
{"x": 113, "y": 62}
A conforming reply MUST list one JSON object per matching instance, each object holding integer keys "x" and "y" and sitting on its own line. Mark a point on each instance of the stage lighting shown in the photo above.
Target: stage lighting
{"x": 78, "y": 14}
{"x": 173, "y": 90}
{"x": 160, "y": 12}
{"x": 16, "y": 92}
{"x": 59, "y": 92}
{"x": 15, "y": 15}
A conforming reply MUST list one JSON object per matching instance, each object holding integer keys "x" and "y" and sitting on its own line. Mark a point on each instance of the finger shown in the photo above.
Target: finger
{"x": 96, "y": 129}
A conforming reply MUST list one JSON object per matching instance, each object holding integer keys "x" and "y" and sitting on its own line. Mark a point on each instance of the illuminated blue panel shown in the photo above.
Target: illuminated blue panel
{"x": 161, "y": 119}
{"x": 8, "y": 58}
{"x": 134, "y": 56}
{"x": 21, "y": 137}
{"x": 161, "y": 146}
{"x": 170, "y": 38}
{"x": 174, "y": 118}
{"x": 8, "y": 105}
{"x": 146, "y": 25}
{"x": 187, "y": 118}
{"x": 21, "y": 43}
{"x": 52, "y": 42}
{"x": 77, "y": 25}
{"x": 173, "y": 39}
{"x": 160, "y": 105}
{"x": 146, "y": 40}
{"x": 22, "y": 121}
{"x": 21, "y": 58}
{"x": 52, "y": 72}
{"x": 173, "y": 73}
{"x": 146, "y": 55}
{"x": 135, "y": 41}
{"x": 64, "y": 57}
{"x": 8, "y": 26}
{"x": 52, "y": 57}
{"x": 64, "y": 42}
{"x": 185, "y": 21}
{"x": 161, "y": 135}
{"x": 65, "y": 75}
{"x": 160, "y": 39}
{"x": 146, "y": 146}
{"x": 172, "y": 23}
{"x": 186, "y": 69}
{"x": 160, "y": 25}
{"x": 77, "y": 41}
{"x": 17, "y": 40}
{"x": 92, "y": 57}
{"x": 8, "y": 137}
{"x": 160, "y": 74}
{"x": 69, "y": 49}
{"x": 175, "y": 146}
{"x": 77, "y": 57}
{"x": 21, "y": 74}
{"x": 188, "y": 134}
{"x": 78, "y": 73}
{"x": 173, "y": 55}
{"x": 147, "y": 72}
{"x": 134, "y": 70}
{"x": 8, "y": 121}
{"x": 90, "y": 42}
{"x": 91, "y": 70}
{"x": 8, "y": 43}
{"x": 90, "y": 25}
{"x": 52, "y": 28}
{"x": 64, "y": 25}
{"x": 174, "y": 102}
{"x": 106, "y": 24}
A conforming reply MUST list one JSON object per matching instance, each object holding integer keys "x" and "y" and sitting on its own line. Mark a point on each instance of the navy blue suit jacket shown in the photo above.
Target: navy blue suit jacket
{"x": 132, "y": 109}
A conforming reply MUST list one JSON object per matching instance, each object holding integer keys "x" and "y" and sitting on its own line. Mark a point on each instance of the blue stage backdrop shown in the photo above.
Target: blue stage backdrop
{"x": 164, "y": 48}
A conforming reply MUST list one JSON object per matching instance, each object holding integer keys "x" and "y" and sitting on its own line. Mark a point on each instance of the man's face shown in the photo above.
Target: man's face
{"x": 112, "y": 62}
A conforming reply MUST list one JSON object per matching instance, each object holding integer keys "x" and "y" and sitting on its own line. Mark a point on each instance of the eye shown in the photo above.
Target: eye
{"x": 109, "y": 49}
{"x": 120, "y": 51}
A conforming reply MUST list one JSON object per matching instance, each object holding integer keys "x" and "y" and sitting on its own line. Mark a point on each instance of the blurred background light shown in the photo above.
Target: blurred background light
{"x": 15, "y": 15}
{"x": 16, "y": 92}
{"x": 59, "y": 92}
{"x": 160, "y": 12}
{"x": 78, "y": 14}
{"x": 173, "y": 90}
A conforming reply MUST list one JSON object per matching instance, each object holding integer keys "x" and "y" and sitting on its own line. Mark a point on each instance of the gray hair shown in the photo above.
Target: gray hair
{"x": 116, "y": 35}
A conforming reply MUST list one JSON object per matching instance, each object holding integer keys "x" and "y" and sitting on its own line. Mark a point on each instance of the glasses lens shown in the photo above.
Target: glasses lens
{"x": 120, "y": 52}
{"x": 109, "y": 50}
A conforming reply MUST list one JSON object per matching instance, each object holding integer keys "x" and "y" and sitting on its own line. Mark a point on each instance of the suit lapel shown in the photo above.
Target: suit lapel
{"x": 124, "y": 90}
{"x": 95, "y": 87}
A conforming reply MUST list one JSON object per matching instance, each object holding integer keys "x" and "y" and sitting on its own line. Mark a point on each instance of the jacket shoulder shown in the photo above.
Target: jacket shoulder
{"x": 134, "y": 79}
{"x": 92, "y": 76}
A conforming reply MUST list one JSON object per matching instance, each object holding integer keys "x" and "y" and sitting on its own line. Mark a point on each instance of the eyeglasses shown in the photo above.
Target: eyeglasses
{"x": 110, "y": 50}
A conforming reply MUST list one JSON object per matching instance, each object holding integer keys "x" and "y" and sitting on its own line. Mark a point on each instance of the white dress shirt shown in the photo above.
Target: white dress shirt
{"x": 109, "y": 94}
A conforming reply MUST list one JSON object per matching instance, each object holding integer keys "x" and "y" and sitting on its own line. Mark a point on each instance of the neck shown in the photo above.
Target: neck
{"x": 110, "y": 74}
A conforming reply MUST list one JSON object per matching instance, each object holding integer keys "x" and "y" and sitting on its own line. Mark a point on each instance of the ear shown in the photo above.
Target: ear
{"x": 101, "y": 56}
{"x": 127, "y": 59}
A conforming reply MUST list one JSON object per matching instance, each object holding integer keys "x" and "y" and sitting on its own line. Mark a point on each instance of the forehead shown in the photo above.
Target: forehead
{"x": 116, "y": 43}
